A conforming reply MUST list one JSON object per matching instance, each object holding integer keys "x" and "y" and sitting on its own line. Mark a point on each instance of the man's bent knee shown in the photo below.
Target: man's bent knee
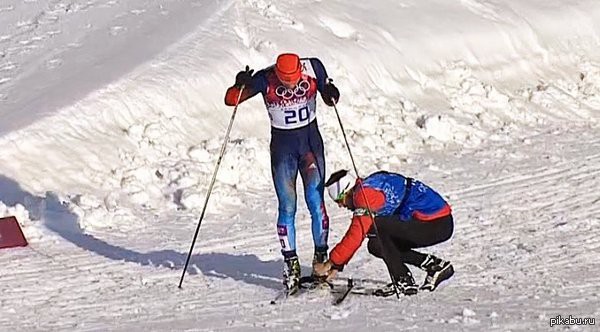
{"x": 374, "y": 247}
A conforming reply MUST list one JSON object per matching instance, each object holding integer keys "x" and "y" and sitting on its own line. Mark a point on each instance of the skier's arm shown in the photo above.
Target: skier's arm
{"x": 352, "y": 240}
{"x": 324, "y": 85}
{"x": 233, "y": 93}
{"x": 361, "y": 223}
{"x": 252, "y": 87}
{"x": 320, "y": 73}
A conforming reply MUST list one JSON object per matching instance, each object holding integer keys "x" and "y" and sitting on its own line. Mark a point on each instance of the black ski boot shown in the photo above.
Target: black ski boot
{"x": 320, "y": 257}
{"x": 318, "y": 281}
{"x": 291, "y": 275}
{"x": 437, "y": 270}
{"x": 405, "y": 284}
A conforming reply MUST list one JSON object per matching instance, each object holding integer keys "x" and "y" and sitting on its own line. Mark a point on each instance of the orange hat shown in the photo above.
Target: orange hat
{"x": 288, "y": 68}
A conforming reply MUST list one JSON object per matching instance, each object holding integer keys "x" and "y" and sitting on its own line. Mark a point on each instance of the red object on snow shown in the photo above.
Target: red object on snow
{"x": 11, "y": 234}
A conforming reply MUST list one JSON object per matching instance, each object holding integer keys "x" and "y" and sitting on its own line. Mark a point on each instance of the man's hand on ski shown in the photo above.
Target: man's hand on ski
{"x": 325, "y": 270}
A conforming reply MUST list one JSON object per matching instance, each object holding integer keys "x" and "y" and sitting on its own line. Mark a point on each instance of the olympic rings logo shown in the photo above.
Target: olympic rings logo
{"x": 299, "y": 90}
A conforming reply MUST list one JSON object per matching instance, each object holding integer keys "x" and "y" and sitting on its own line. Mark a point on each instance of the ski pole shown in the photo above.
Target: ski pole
{"x": 383, "y": 251}
{"x": 212, "y": 182}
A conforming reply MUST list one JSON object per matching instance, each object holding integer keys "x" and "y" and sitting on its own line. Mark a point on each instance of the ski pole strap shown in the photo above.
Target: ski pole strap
{"x": 407, "y": 187}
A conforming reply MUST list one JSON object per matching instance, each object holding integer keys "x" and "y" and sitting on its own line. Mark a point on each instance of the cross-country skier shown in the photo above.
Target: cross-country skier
{"x": 289, "y": 89}
{"x": 408, "y": 214}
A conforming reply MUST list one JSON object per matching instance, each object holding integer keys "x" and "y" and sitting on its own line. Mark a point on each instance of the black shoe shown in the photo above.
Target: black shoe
{"x": 319, "y": 257}
{"x": 437, "y": 270}
{"x": 291, "y": 275}
{"x": 318, "y": 281}
{"x": 405, "y": 284}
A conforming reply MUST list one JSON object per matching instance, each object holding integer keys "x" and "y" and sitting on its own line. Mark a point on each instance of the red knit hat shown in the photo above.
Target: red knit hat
{"x": 288, "y": 68}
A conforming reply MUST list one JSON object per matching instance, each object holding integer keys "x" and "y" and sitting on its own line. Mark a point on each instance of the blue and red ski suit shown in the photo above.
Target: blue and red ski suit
{"x": 296, "y": 146}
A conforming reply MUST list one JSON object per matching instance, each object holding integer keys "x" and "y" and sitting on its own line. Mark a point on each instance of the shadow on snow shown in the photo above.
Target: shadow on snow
{"x": 59, "y": 219}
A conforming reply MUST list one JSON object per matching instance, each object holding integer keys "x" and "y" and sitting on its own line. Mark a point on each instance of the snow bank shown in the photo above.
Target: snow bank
{"x": 413, "y": 77}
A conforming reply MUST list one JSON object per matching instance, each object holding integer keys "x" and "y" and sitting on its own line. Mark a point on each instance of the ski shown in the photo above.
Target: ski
{"x": 310, "y": 283}
{"x": 339, "y": 299}
{"x": 281, "y": 295}
{"x": 306, "y": 285}
{"x": 339, "y": 291}
{"x": 361, "y": 287}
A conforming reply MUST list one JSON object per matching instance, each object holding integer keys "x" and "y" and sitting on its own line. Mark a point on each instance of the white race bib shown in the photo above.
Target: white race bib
{"x": 294, "y": 115}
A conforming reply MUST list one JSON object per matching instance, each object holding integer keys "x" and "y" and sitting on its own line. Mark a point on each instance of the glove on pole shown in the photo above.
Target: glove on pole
{"x": 212, "y": 182}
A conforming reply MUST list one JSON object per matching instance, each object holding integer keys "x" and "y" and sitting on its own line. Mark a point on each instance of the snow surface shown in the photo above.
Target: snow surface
{"x": 112, "y": 118}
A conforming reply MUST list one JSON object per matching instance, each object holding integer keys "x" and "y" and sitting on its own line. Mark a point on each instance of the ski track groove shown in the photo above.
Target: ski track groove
{"x": 534, "y": 208}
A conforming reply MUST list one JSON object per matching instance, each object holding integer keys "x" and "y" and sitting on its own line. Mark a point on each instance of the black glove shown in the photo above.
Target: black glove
{"x": 330, "y": 94}
{"x": 340, "y": 268}
{"x": 244, "y": 78}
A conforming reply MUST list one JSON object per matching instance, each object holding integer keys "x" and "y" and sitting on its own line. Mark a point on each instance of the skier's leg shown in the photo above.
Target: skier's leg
{"x": 405, "y": 283}
{"x": 426, "y": 233}
{"x": 284, "y": 169}
{"x": 416, "y": 234}
{"x": 437, "y": 269}
{"x": 312, "y": 170}
{"x": 400, "y": 237}
{"x": 411, "y": 234}
{"x": 392, "y": 253}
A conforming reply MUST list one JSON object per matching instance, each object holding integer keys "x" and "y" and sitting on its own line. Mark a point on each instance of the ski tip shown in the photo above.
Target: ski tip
{"x": 339, "y": 301}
